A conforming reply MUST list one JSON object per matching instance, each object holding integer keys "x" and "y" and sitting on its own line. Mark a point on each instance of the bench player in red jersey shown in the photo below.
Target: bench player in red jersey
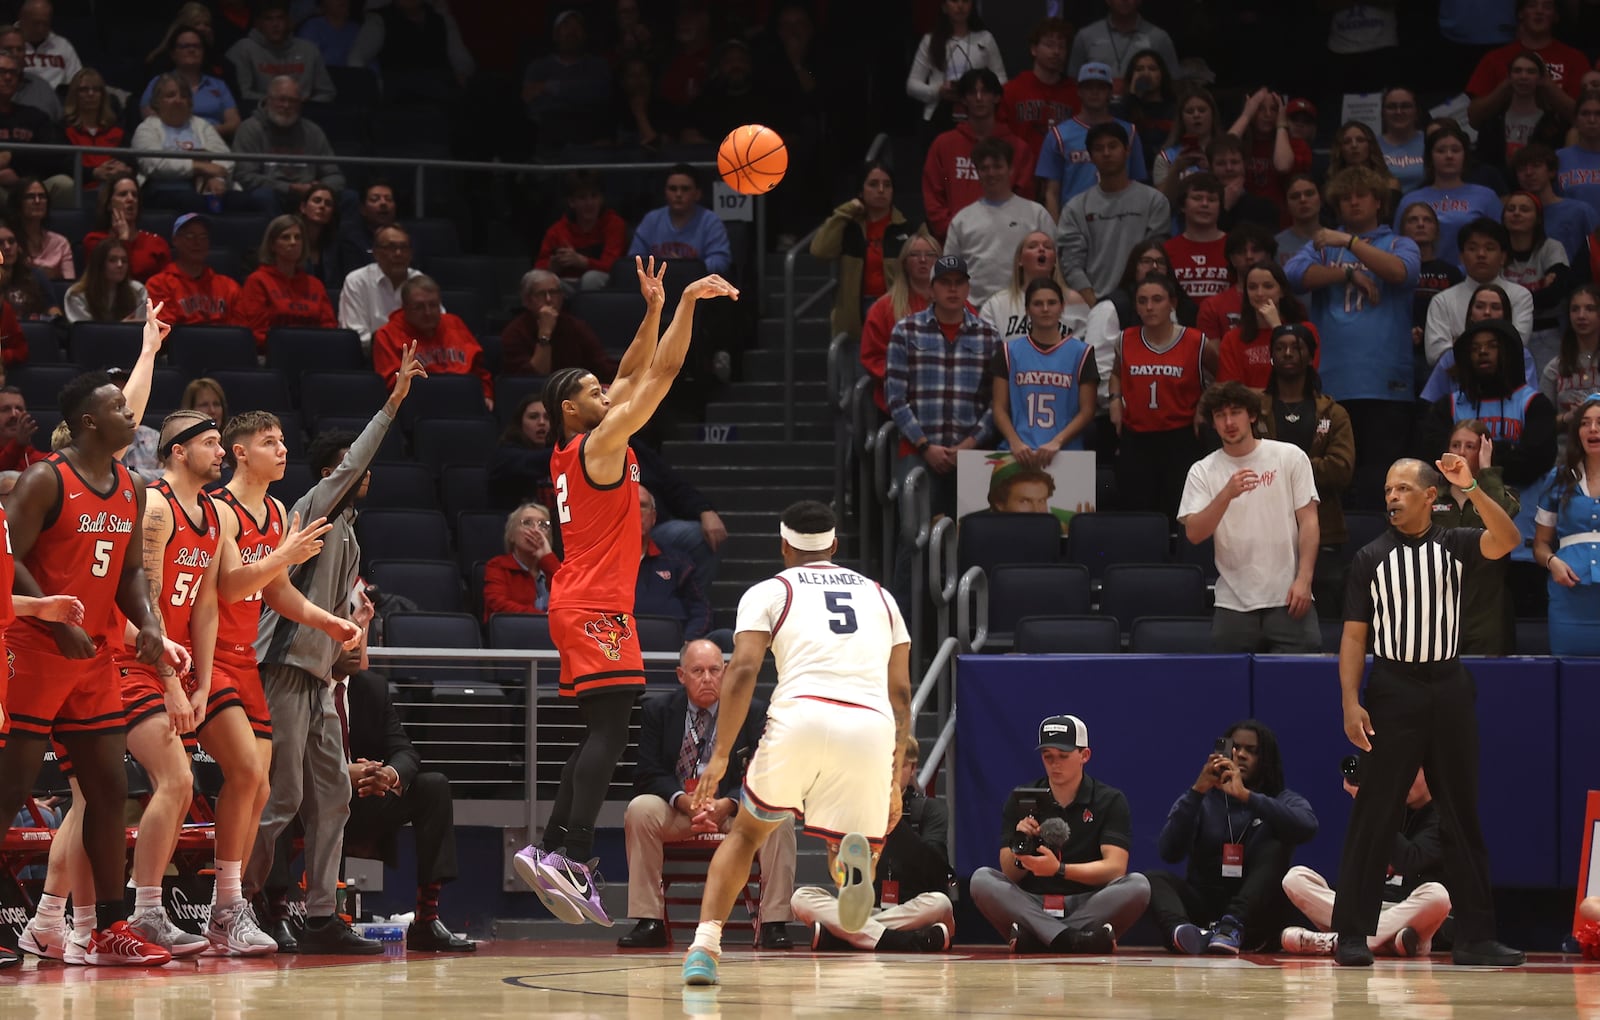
{"x": 591, "y": 598}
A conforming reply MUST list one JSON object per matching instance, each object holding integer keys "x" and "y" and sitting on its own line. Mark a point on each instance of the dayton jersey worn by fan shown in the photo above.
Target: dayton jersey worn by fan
{"x": 828, "y": 749}
{"x": 591, "y": 596}
{"x": 238, "y": 622}
{"x": 1160, "y": 389}
{"x": 79, "y": 551}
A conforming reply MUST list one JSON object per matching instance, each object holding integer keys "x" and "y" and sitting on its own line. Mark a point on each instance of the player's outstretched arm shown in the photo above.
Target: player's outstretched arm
{"x": 642, "y": 351}
{"x": 738, "y": 687}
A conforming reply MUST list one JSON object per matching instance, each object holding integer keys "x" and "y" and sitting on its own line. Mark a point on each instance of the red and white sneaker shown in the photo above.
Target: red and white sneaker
{"x": 48, "y": 942}
{"x": 121, "y": 946}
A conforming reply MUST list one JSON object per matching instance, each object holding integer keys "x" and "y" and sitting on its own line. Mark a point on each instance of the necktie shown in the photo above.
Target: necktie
{"x": 689, "y": 754}
{"x": 344, "y": 718}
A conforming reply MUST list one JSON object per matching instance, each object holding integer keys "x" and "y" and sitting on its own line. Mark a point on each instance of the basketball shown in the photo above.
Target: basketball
{"x": 752, "y": 159}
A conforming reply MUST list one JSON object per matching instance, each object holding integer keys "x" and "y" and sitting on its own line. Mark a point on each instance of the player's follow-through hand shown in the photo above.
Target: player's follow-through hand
{"x": 709, "y": 287}
{"x": 705, "y": 790}
{"x": 650, "y": 286}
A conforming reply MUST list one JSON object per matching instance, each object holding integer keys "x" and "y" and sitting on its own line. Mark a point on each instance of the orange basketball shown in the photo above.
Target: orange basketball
{"x": 752, "y": 159}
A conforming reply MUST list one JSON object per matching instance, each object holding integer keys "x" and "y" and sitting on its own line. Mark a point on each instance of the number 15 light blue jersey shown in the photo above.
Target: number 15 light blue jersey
{"x": 1044, "y": 386}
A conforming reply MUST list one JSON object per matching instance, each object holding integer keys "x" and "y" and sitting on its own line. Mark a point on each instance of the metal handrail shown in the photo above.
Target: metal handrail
{"x": 942, "y": 577}
{"x": 792, "y": 312}
{"x": 930, "y": 678}
{"x": 839, "y": 401}
{"x": 935, "y": 758}
{"x": 918, "y": 491}
{"x": 885, "y": 443}
{"x": 864, "y": 435}
{"x": 974, "y": 588}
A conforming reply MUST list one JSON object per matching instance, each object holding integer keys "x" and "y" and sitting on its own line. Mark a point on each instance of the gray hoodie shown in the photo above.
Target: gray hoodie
{"x": 256, "y": 63}
{"x": 302, "y": 138}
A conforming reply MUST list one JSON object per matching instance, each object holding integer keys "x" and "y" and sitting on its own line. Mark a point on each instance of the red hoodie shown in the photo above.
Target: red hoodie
{"x": 209, "y": 299}
{"x": 452, "y": 350}
{"x": 601, "y": 246}
{"x": 950, "y": 181}
{"x": 147, "y": 253}
{"x": 270, "y": 299}
{"x": 13, "y": 342}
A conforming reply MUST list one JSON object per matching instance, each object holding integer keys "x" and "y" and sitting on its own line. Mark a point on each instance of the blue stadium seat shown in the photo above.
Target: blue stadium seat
{"x": 1363, "y": 527}
{"x": 44, "y": 343}
{"x": 296, "y": 482}
{"x": 465, "y": 487}
{"x": 392, "y": 450}
{"x": 158, "y": 221}
{"x": 475, "y": 273}
{"x": 442, "y": 441}
{"x": 1067, "y": 635}
{"x": 659, "y": 633}
{"x": 1097, "y": 540}
{"x": 613, "y": 315}
{"x": 509, "y": 391}
{"x": 356, "y": 86}
{"x": 227, "y": 262}
{"x": 241, "y": 232}
{"x": 1203, "y": 556}
{"x": 1017, "y": 590}
{"x": 444, "y": 396}
{"x": 1171, "y": 635}
{"x": 490, "y": 342}
{"x": 201, "y": 350}
{"x": 254, "y": 389}
{"x": 434, "y": 585}
{"x": 468, "y": 305}
{"x": 41, "y": 386}
{"x": 434, "y": 237}
{"x": 295, "y": 352}
{"x": 520, "y": 630}
{"x": 294, "y": 434}
{"x": 989, "y": 539}
{"x": 402, "y": 486}
{"x": 1132, "y": 590}
{"x": 106, "y": 344}
{"x": 403, "y": 535}
{"x": 74, "y": 223}
{"x": 47, "y": 418}
{"x": 425, "y": 629}
{"x": 341, "y": 394}
{"x": 166, "y": 387}
{"x": 480, "y": 537}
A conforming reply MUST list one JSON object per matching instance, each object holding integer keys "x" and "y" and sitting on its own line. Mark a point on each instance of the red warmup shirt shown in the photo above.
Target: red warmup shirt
{"x": 13, "y": 342}
{"x": 1199, "y": 267}
{"x": 147, "y": 253}
{"x": 1263, "y": 179}
{"x": 270, "y": 299}
{"x": 452, "y": 350}
{"x": 507, "y": 588}
{"x": 1566, "y": 64}
{"x": 1030, "y": 106}
{"x": 209, "y": 299}
{"x": 950, "y": 181}
{"x": 1251, "y": 363}
{"x": 602, "y": 246}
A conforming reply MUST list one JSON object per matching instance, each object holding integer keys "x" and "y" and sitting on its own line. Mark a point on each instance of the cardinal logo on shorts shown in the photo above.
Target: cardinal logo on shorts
{"x": 609, "y": 632}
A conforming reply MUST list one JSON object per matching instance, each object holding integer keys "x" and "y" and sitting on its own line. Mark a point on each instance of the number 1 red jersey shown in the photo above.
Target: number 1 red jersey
{"x": 189, "y": 553}
{"x": 601, "y": 536}
{"x": 1160, "y": 391}
{"x": 238, "y": 622}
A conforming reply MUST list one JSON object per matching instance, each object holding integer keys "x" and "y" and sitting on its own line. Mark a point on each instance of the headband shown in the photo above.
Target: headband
{"x": 820, "y": 541}
{"x": 199, "y": 428}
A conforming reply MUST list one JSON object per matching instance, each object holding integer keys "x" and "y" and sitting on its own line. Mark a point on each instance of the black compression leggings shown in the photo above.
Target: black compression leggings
{"x": 587, "y": 775}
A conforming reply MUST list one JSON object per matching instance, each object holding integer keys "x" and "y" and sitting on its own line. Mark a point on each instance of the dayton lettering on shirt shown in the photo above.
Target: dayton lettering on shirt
{"x": 1170, "y": 371}
{"x": 102, "y": 523}
{"x": 965, "y": 169}
{"x": 1062, "y": 380}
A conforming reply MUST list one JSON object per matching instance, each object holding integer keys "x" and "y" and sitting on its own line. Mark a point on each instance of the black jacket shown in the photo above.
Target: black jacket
{"x": 663, "y": 719}
{"x": 1418, "y": 854}
{"x": 916, "y": 853}
{"x": 376, "y": 735}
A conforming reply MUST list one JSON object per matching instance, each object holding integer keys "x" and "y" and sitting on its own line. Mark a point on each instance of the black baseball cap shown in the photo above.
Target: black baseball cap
{"x": 950, "y": 264}
{"x": 1064, "y": 733}
{"x": 1301, "y": 330}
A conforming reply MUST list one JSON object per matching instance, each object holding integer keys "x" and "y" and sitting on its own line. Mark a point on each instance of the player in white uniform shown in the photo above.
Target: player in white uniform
{"x": 835, "y": 731}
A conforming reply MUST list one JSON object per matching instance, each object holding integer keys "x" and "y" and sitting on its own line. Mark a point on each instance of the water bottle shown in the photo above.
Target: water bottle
{"x": 352, "y": 900}
{"x": 382, "y": 931}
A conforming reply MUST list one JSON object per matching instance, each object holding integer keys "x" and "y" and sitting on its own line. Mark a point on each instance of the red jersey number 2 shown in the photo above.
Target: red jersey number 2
{"x": 563, "y": 511}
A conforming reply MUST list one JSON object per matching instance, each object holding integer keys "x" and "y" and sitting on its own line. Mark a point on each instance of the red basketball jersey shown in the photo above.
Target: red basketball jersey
{"x": 1160, "y": 391}
{"x": 600, "y": 533}
{"x": 7, "y": 573}
{"x": 81, "y": 547}
{"x": 189, "y": 553}
{"x": 238, "y": 622}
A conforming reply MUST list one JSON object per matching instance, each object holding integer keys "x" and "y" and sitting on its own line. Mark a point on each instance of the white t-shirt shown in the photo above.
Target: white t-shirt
{"x": 1257, "y": 541}
{"x": 832, "y": 631}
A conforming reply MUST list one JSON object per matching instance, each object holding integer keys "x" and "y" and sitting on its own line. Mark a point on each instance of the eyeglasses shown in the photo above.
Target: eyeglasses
{"x": 542, "y": 525}
{"x": 1151, "y": 263}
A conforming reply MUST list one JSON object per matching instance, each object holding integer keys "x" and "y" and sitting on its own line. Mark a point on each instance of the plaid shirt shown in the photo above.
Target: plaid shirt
{"x": 937, "y": 389}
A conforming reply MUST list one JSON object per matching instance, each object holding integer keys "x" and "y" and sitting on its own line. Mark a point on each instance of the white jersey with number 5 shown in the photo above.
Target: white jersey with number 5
{"x": 832, "y": 631}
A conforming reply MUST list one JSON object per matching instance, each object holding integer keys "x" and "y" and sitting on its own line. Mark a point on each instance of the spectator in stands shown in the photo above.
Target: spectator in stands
{"x": 206, "y": 396}
{"x": 1529, "y": 108}
{"x": 693, "y": 529}
{"x": 1225, "y": 155}
{"x": 988, "y": 230}
{"x": 1198, "y": 256}
{"x": 519, "y": 467}
{"x": 1534, "y": 167}
{"x": 1156, "y": 383}
{"x": 1115, "y": 39}
{"x": 1491, "y": 83}
{"x": 1304, "y": 204}
{"x": 1198, "y": 124}
{"x": 1044, "y": 95}
{"x": 667, "y": 584}
{"x": 1580, "y": 161}
{"x": 730, "y": 97}
{"x": 949, "y": 176}
{"x": 444, "y": 344}
{"x": 319, "y": 219}
{"x": 34, "y": 90}
{"x": 958, "y": 45}
{"x": 1401, "y": 139}
{"x": 1565, "y": 537}
{"x": 372, "y": 293}
{"x": 1043, "y": 383}
{"x": 13, "y": 342}
{"x": 912, "y": 879}
{"x": 1246, "y": 246}
{"x": 194, "y": 294}
{"x": 1255, "y": 498}
{"x": 279, "y": 129}
{"x": 1415, "y": 902}
{"x": 1063, "y": 888}
{"x": 356, "y": 237}
{"x": 567, "y": 93}
{"x": 1491, "y": 386}
{"x": 417, "y": 49}
{"x": 16, "y": 432}
{"x": 1455, "y": 201}
{"x": 389, "y": 790}
{"x": 197, "y": 16}
{"x": 1488, "y": 617}
{"x": 25, "y": 289}
{"x": 1065, "y": 167}
{"x": 184, "y": 182}
{"x": 28, "y": 208}
{"x": 1539, "y": 263}
{"x": 1113, "y": 314}
{"x": 118, "y": 217}
{"x": 643, "y": 119}
{"x": 271, "y": 52}
{"x": 1271, "y": 153}
{"x": 1099, "y": 226}
{"x": 1361, "y": 279}
{"x": 50, "y": 56}
{"x": 677, "y": 734}
{"x": 1420, "y": 223}
{"x": 689, "y": 63}
{"x": 212, "y": 99}
{"x": 1357, "y": 145}
{"x": 546, "y": 337}
{"x": 26, "y": 124}
{"x": 683, "y": 228}
{"x": 107, "y": 291}
{"x": 1149, "y": 103}
{"x": 1245, "y": 353}
{"x": 1574, "y": 373}
{"x": 1035, "y": 259}
{"x": 280, "y": 292}
{"x": 1489, "y": 301}
{"x": 910, "y": 292}
{"x": 1295, "y": 410}
{"x": 1485, "y": 247}
{"x": 332, "y": 31}
{"x": 93, "y": 118}
{"x": 582, "y": 245}
{"x": 518, "y": 580}
{"x": 865, "y": 236}
{"x": 1237, "y": 819}
{"x": 1302, "y": 117}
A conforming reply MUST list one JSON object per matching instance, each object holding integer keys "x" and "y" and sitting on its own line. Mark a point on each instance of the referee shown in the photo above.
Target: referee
{"x": 1405, "y": 590}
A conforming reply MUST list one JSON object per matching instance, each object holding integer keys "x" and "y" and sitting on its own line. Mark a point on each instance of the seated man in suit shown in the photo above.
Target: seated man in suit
{"x": 390, "y": 789}
{"x": 677, "y": 734}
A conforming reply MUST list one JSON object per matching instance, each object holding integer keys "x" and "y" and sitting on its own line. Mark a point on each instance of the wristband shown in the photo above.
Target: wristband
{"x": 1471, "y": 487}
{"x": 1061, "y": 872}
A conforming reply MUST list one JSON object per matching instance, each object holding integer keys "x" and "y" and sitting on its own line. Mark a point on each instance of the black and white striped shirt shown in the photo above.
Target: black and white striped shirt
{"x": 1408, "y": 589}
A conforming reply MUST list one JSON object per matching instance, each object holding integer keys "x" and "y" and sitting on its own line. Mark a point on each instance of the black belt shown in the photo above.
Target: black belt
{"x": 1437, "y": 667}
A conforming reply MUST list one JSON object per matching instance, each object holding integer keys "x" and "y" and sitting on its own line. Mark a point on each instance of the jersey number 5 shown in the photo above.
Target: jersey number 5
{"x": 844, "y": 619}
{"x": 102, "y": 557}
{"x": 563, "y": 512}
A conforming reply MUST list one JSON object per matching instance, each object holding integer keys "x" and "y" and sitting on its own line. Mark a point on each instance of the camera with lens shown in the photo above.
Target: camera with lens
{"x": 1028, "y": 802}
{"x": 1350, "y": 768}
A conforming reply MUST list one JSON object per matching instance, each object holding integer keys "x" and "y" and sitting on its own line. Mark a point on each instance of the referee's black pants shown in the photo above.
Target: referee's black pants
{"x": 1423, "y": 715}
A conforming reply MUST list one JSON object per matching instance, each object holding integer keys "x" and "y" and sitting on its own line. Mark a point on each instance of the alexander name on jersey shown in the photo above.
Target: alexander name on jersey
{"x": 103, "y": 523}
{"x": 833, "y": 578}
